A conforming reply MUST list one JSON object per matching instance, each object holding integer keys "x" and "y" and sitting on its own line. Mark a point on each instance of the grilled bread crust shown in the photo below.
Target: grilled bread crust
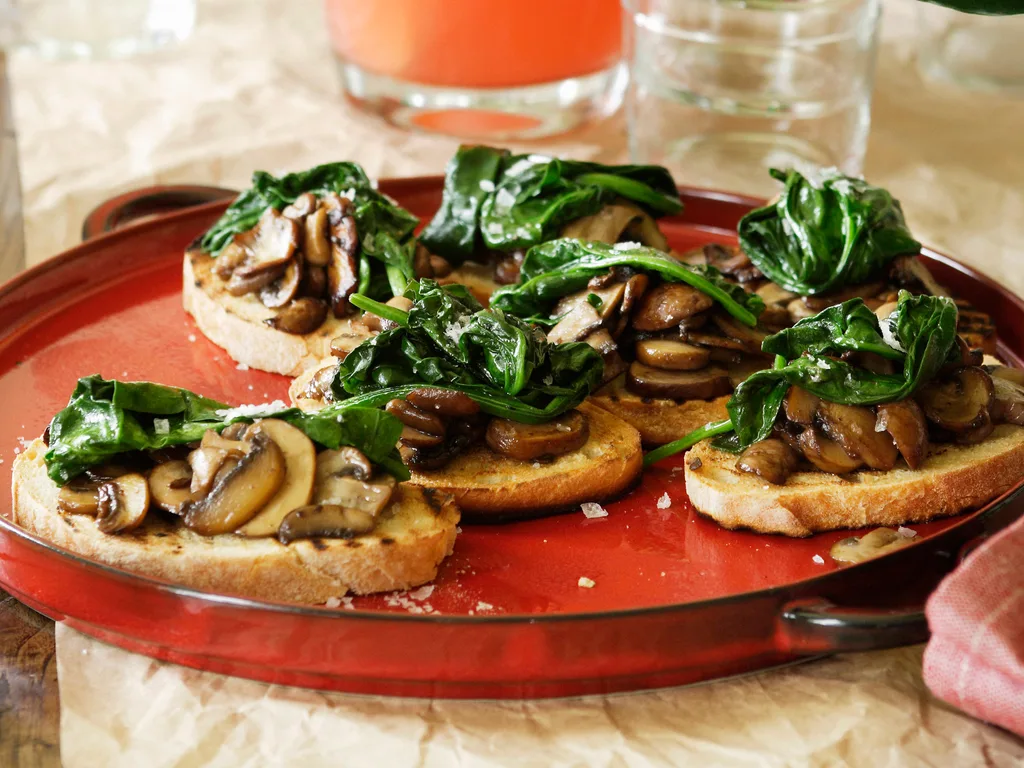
{"x": 952, "y": 479}
{"x": 415, "y": 533}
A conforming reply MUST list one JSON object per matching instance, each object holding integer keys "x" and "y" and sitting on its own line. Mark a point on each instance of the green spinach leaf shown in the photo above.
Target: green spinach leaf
{"x": 561, "y": 267}
{"x": 448, "y": 340}
{"x": 818, "y": 237}
{"x": 505, "y": 202}
{"x": 384, "y": 228}
{"x": 105, "y": 418}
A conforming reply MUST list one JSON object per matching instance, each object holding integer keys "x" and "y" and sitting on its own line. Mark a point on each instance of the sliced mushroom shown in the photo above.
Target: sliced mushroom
{"x": 123, "y": 504}
{"x": 285, "y": 288}
{"x": 413, "y": 417}
{"x": 170, "y": 485}
{"x": 314, "y": 281}
{"x": 977, "y": 433}
{"x": 769, "y": 459}
{"x": 879, "y": 542}
{"x": 205, "y": 463}
{"x": 1008, "y": 400}
{"x": 300, "y": 471}
{"x": 300, "y": 316}
{"x": 342, "y": 272}
{"x": 798, "y": 310}
{"x": 78, "y": 499}
{"x": 731, "y": 262}
{"x": 233, "y": 255}
{"x": 581, "y": 321}
{"x": 968, "y": 355}
{"x": 304, "y": 205}
{"x": 326, "y": 520}
{"x": 693, "y": 323}
{"x": 445, "y": 402}
{"x": 716, "y": 341}
{"x": 909, "y": 271}
{"x": 415, "y": 438}
{"x": 1013, "y": 375}
{"x": 636, "y": 287}
{"x": 870, "y": 361}
{"x": 272, "y": 246}
{"x": 826, "y": 454}
{"x": 421, "y": 265}
{"x": 801, "y": 406}
{"x": 345, "y": 477}
{"x": 750, "y": 338}
{"x": 317, "y": 246}
{"x": 377, "y": 323}
{"x": 528, "y": 442}
{"x": 742, "y": 369}
{"x": 319, "y": 386}
{"x": 705, "y": 384}
{"x": 602, "y": 341}
{"x": 644, "y": 230}
{"x": 241, "y": 493}
{"x": 960, "y": 401}
{"x": 773, "y": 293}
{"x": 884, "y": 310}
{"x": 440, "y": 266}
{"x": 824, "y": 301}
{"x": 774, "y": 317}
{"x": 242, "y": 284}
{"x": 853, "y": 427}
{"x": 605, "y": 226}
{"x": 667, "y": 305}
{"x": 904, "y": 421}
{"x": 671, "y": 355}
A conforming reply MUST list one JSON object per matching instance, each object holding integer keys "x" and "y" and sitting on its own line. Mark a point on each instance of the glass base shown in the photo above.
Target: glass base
{"x": 497, "y": 114}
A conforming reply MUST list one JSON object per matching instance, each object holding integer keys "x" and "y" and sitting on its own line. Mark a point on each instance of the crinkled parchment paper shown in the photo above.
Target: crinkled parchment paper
{"x": 255, "y": 87}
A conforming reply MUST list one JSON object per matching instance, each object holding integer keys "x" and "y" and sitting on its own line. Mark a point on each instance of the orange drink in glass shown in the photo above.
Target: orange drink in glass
{"x": 483, "y": 68}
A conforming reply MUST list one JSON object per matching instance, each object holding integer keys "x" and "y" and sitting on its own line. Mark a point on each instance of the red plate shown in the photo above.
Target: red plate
{"x": 676, "y": 598}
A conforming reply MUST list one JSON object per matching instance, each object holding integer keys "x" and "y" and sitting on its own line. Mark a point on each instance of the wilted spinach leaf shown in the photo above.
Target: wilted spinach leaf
{"x": 448, "y": 340}
{"x": 561, "y": 267}
{"x": 507, "y": 201}
{"x": 105, "y": 418}
{"x": 384, "y": 228}
{"x": 818, "y": 238}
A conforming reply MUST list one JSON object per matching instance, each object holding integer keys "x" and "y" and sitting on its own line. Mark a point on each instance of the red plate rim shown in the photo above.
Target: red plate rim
{"x": 83, "y": 250}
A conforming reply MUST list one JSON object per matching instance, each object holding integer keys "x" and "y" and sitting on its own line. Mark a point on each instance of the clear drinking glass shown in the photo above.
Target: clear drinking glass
{"x": 722, "y": 90}
{"x": 101, "y": 28}
{"x": 493, "y": 69}
{"x": 12, "y": 237}
{"x": 979, "y": 52}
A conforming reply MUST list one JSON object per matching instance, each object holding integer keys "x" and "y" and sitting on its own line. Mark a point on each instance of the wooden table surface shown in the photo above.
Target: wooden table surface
{"x": 29, "y": 704}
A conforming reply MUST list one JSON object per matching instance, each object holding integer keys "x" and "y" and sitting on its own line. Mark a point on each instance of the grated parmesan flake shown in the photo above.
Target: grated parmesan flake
{"x": 162, "y": 426}
{"x": 486, "y": 185}
{"x": 192, "y": 337}
{"x": 592, "y": 509}
{"x": 252, "y": 411}
{"x": 586, "y": 583}
{"x": 333, "y": 602}
{"x": 626, "y": 246}
{"x": 818, "y": 559}
{"x": 482, "y": 606}
{"x": 906, "y": 533}
{"x": 242, "y": 367}
{"x": 665, "y": 501}
{"x": 422, "y": 593}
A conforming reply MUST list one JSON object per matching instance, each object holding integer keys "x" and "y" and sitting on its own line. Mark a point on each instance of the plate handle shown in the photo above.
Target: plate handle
{"x": 148, "y": 202}
{"x": 820, "y": 626}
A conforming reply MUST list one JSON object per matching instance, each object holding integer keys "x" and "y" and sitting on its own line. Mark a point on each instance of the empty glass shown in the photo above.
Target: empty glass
{"x": 722, "y": 90}
{"x": 12, "y": 240}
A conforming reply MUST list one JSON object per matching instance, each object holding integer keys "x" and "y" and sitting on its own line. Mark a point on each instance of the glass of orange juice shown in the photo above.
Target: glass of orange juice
{"x": 492, "y": 69}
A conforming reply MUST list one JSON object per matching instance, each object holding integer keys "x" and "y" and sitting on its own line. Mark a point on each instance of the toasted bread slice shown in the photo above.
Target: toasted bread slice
{"x": 416, "y": 532}
{"x": 953, "y": 478}
{"x": 236, "y": 323}
{"x": 490, "y": 487}
{"x": 658, "y": 421}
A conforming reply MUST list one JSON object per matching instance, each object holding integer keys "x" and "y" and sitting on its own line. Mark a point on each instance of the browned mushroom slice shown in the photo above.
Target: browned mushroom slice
{"x": 731, "y": 262}
{"x": 241, "y": 284}
{"x": 801, "y": 406}
{"x": 205, "y": 463}
{"x": 705, "y": 384}
{"x": 413, "y": 417}
{"x": 300, "y": 471}
{"x": 285, "y": 288}
{"x": 1008, "y": 397}
{"x": 826, "y": 454}
{"x": 968, "y": 355}
{"x": 882, "y": 311}
{"x": 862, "y": 291}
{"x": 742, "y": 369}
{"x": 415, "y": 438}
{"x": 693, "y": 323}
{"x": 300, "y": 317}
{"x": 667, "y": 304}
{"x": 644, "y": 230}
{"x": 342, "y": 272}
{"x": 577, "y": 324}
{"x": 977, "y": 433}
{"x": 798, "y": 310}
{"x": 440, "y": 266}
{"x": 376, "y": 323}
{"x": 773, "y": 293}
{"x": 231, "y": 257}
{"x": 316, "y": 245}
{"x": 79, "y": 499}
{"x": 170, "y": 485}
{"x": 671, "y": 355}
{"x": 904, "y": 421}
{"x": 241, "y": 493}
{"x": 775, "y": 317}
{"x": 123, "y": 504}
{"x": 636, "y": 287}
{"x": 446, "y": 402}
{"x": 909, "y": 271}
{"x": 345, "y": 477}
{"x": 716, "y": 341}
{"x": 319, "y": 386}
{"x": 273, "y": 245}
{"x": 880, "y": 541}
{"x": 605, "y": 226}
{"x": 304, "y": 205}
{"x": 326, "y": 520}
{"x": 528, "y": 442}
{"x": 853, "y": 427}
{"x": 421, "y": 265}
{"x": 314, "y": 281}
{"x": 769, "y": 459}
{"x": 750, "y": 338}
{"x": 603, "y": 343}
{"x": 960, "y": 401}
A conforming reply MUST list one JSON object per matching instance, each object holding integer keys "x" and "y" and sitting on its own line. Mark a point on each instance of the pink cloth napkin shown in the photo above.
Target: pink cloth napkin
{"x": 975, "y": 658}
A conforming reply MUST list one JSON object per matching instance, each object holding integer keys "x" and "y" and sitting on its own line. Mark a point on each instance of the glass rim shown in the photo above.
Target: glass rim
{"x": 766, "y": 5}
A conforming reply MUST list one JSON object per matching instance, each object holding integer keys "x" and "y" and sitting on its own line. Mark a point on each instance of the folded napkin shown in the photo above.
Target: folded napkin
{"x": 975, "y": 658}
